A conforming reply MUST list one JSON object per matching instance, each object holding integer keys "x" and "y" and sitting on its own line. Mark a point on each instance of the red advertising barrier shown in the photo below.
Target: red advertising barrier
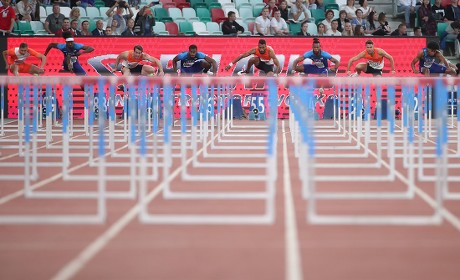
{"x": 223, "y": 50}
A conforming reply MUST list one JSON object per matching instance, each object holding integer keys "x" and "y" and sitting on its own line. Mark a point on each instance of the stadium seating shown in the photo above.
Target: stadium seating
{"x": 172, "y": 28}
{"x": 159, "y": 27}
{"x": 203, "y": 14}
{"x": 92, "y": 12}
{"x": 200, "y": 28}
{"x": 186, "y": 28}
{"x": 246, "y": 13}
{"x": 162, "y": 15}
{"x": 257, "y": 9}
{"x": 176, "y": 14}
{"x": 24, "y": 28}
{"x": 213, "y": 28}
{"x": 82, "y": 12}
{"x": 218, "y": 15}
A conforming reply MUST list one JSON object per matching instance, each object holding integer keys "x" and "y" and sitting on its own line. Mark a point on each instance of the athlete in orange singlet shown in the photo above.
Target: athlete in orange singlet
{"x": 15, "y": 60}
{"x": 131, "y": 63}
{"x": 264, "y": 59}
{"x": 374, "y": 64}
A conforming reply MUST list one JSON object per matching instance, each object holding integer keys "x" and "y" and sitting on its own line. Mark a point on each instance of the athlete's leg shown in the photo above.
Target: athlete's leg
{"x": 14, "y": 69}
{"x": 147, "y": 70}
{"x": 252, "y": 61}
{"x": 78, "y": 69}
{"x": 125, "y": 71}
{"x": 34, "y": 70}
{"x": 360, "y": 67}
{"x": 205, "y": 65}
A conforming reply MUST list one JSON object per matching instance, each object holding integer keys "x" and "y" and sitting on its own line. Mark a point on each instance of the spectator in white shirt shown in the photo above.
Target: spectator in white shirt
{"x": 278, "y": 25}
{"x": 333, "y": 31}
{"x": 297, "y": 10}
{"x": 262, "y": 26}
{"x": 350, "y": 9}
{"x": 328, "y": 20}
{"x": 408, "y": 7}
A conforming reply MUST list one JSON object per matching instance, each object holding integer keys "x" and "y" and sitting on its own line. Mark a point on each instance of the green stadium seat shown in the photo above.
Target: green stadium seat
{"x": 186, "y": 28}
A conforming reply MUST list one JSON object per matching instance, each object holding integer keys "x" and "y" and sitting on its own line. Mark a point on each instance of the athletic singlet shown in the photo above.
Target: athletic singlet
{"x": 132, "y": 62}
{"x": 265, "y": 57}
{"x": 428, "y": 60}
{"x": 375, "y": 60}
{"x": 18, "y": 58}
{"x": 319, "y": 60}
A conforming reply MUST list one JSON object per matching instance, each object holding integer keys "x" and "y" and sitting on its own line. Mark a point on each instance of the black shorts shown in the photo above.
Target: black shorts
{"x": 265, "y": 67}
{"x": 137, "y": 69}
{"x": 373, "y": 71}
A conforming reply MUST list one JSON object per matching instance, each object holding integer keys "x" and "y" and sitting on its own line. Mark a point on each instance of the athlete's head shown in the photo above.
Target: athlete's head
{"x": 69, "y": 42}
{"x": 138, "y": 50}
{"x": 369, "y": 46}
{"x": 316, "y": 46}
{"x": 432, "y": 47}
{"x": 192, "y": 50}
{"x": 262, "y": 46}
{"x": 23, "y": 47}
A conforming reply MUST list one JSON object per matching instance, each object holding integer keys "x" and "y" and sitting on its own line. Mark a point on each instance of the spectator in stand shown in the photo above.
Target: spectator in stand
{"x": 383, "y": 28}
{"x": 8, "y": 18}
{"x": 401, "y": 31}
{"x": 297, "y": 10}
{"x": 74, "y": 27}
{"x": 341, "y": 20}
{"x": 262, "y": 25}
{"x": 359, "y": 20}
{"x": 278, "y": 26}
{"x": 129, "y": 28}
{"x": 321, "y": 29}
{"x": 452, "y": 11}
{"x": 83, "y": 3}
{"x": 418, "y": 32}
{"x": 63, "y": 3}
{"x": 372, "y": 19}
{"x": 108, "y": 31}
{"x": 145, "y": 23}
{"x": 427, "y": 21}
{"x": 113, "y": 23}
{"x": 333, "y": 31}
{"x": 408, "y": 7}
{"x": 348, "y": 29}
{"x": 364, "y": 6}
{"x": 118, "y": 14}
{"x": 54, "y": 21}
{"x": 320, "y": 5}
{"x": 358, "y": 30}
{"x": 350, "y": 9}
{"x": 310, "y": 4}
{"x": 283, "y": 8}
{"x": 438, "y": 10}
{"x": 304, "y": 29}
{"x": 328, "y": 20}
{"x": 99, "y": 30}
{"x": 272, "y": 8}
{"x": 24, "y": 8}
{"x": 230, "y": 26}
{"x": 65, "y": 28}
{"x": 74, "y": 14}
{"x": 85, "y": 28}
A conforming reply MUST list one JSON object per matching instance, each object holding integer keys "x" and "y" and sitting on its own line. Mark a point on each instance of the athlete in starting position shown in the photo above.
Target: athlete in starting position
{"x": 318, "y": 61}
{"x": 374, "y": 64}
{"x": 264, "y": 59}
{"x": 429, "y": 58}
{"x": 131, "y": 63}
{"x": 194, "y": 62}
{"x": 15, "y": 60}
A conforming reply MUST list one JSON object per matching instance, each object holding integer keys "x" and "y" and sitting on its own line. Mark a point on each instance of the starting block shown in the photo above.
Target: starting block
{"x": 257, "y": 110}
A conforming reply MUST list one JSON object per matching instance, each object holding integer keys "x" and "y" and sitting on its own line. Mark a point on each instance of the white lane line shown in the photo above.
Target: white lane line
{"x": 79, "y": 262}
{"x": 423, "y": 195}
{"x": 293, "y": 267}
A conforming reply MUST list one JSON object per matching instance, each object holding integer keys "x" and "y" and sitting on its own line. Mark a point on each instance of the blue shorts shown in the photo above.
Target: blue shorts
{"x": 77, "y": 68}
{"x": 434, "y": 68}
{"x": 196, "y": 68}
{"x": 313, "y": 69}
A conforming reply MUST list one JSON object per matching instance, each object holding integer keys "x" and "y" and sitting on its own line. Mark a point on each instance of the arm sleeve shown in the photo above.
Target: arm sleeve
{"x": 308, "y": 54}
{"x": 200, "y": 55}
{"x": 182, "y": 55}
{"x": 34, "y": 52}
{"x": 326, "y": 55}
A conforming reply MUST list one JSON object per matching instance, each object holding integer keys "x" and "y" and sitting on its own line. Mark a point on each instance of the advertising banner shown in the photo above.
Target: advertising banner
{"x": 223, "y": 50}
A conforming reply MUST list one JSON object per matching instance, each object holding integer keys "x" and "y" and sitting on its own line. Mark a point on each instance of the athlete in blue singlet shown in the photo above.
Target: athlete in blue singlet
{"x": 317, "y": 62}
{"x": 194, "y": 62}
{"x": 71, "y": 51}
{"x": 429, "y": 61}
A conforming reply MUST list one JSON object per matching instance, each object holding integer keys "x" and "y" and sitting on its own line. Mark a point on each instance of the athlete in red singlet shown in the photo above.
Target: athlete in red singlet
{"x": 15, "y": 60}
{"x": 374, "y": 64}
{"x": 131, "y": 63}
{"x": 264, "y": 59}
